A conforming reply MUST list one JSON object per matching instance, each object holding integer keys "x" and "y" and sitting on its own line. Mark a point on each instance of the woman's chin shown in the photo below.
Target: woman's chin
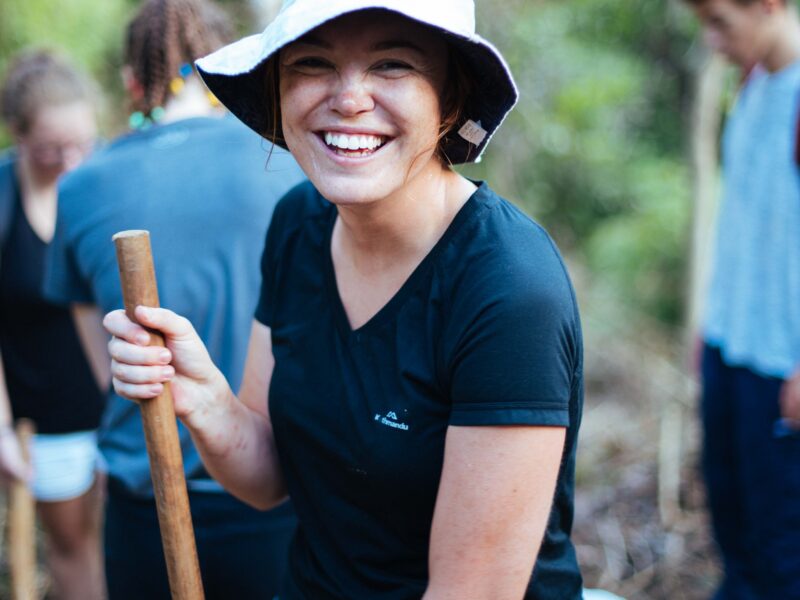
{"x": 352, "y": 191}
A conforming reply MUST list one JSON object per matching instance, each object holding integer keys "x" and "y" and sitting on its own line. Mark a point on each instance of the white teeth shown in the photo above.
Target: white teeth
{"x": 353, "y": 142}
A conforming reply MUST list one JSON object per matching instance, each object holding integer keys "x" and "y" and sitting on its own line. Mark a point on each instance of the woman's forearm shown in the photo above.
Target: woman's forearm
{"x": 6, "y": 417}
{"x": 237, "y": 448}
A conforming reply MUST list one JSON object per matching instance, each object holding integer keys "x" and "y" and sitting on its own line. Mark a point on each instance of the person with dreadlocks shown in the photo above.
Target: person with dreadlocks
{"x": 196, "y": 179}
{"x": 49, "y": 109}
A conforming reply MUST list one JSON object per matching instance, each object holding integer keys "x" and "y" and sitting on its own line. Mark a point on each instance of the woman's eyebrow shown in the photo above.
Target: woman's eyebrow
{"x": 399, "y": 43}
{"x": 314, "y": 41}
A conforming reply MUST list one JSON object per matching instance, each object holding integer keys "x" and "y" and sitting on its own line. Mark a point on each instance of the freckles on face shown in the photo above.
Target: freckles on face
{"x": 360, "y": 101}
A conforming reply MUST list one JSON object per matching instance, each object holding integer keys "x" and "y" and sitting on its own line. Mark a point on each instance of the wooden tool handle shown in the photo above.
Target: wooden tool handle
{"x": 138, "y": 279}
{"x": 22, "y": 526}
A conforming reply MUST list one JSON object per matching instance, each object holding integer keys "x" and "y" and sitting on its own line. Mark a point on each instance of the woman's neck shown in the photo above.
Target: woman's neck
{"x": 39, "y": 199}
{"x": 192, "y": 101}
{"x": 406, "y": 224}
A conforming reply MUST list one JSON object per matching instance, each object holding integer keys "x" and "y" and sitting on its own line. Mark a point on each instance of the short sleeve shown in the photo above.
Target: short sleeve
{"x": 63, "y": 282}
{"x": 287, "y": 217}
{"x": 264, "y": 307}
{"x": 518, "y": 355}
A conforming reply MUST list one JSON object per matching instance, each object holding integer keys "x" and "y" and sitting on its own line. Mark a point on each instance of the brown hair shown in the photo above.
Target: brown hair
{"x": 164, "y": 35}
{"x": 37, "y": 79}
{"x": 458, "y": 89}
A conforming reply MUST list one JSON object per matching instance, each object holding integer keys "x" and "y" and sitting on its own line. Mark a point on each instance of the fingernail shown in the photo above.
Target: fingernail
{"x": 156, "y": 388}
{"x": 167, "y": 372}
{"x": 165, "y": 356}
{"x": 143, "y": 339}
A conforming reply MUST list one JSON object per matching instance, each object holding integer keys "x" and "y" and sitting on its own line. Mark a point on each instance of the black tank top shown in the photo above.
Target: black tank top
{"x": 48, "y": 377}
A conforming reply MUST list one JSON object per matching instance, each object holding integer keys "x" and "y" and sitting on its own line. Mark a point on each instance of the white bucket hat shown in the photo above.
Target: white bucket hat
{"x": 235, "y": 73}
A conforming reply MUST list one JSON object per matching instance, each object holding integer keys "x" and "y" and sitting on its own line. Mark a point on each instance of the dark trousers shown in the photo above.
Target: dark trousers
{"x": 752, "y": 474}
{"x": 242, "y": 551}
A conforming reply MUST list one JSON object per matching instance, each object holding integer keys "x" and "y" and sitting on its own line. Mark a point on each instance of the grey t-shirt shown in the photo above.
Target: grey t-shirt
{"x": 205, "y": 188}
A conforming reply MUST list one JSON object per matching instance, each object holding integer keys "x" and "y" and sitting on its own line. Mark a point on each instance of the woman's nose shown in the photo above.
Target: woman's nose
{"x": 353, "y": 95}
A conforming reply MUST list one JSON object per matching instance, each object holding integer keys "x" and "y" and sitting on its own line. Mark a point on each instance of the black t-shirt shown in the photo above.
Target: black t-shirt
{"x": 48, "y": 378}
{"x": 484, "y": 332}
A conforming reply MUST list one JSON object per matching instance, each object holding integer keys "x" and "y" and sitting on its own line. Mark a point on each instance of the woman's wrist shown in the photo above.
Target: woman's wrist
{"x": 206, "y": 417}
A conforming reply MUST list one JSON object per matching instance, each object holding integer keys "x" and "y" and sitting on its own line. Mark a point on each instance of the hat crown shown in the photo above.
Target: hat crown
{"x": 450, "y": 15}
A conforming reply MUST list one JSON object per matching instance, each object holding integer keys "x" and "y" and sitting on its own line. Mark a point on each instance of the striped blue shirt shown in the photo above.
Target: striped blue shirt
{"x": 753, "y": 310}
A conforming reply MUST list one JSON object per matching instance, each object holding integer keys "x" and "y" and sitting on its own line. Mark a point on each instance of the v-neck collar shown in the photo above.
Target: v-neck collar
{"x": 395, "y": 303}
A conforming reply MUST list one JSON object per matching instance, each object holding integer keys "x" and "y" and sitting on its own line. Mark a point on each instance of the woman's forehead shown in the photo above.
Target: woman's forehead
{"x": 375, "y": 29}
{"x": 72, "y": 120}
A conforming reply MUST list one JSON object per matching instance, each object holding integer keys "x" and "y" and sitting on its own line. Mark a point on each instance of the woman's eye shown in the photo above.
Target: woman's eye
{"x": 311, "y": 63}
{"x": 393, "y": 65}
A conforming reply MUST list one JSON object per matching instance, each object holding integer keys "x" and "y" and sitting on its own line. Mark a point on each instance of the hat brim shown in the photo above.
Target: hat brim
{"x": 236, "y": 75}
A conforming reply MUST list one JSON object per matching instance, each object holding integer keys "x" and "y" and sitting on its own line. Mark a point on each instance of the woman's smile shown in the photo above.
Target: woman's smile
{"x": 353, "y": 145}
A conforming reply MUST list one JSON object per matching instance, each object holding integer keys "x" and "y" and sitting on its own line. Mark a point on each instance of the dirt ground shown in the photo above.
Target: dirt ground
{"x": 641, "y": 530}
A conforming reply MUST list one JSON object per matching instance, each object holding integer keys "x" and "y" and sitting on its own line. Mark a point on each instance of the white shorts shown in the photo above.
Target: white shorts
{"x": 64, "y": 465}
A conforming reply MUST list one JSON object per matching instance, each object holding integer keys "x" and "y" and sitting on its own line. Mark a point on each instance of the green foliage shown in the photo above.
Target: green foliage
{"x": 88, "y": 31}
{"x": 595, "y": 150}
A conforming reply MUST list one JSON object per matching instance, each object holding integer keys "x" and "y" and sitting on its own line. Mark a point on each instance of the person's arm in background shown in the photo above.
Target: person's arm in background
{"x": 492, "y": 510}
{"x": 790, "y": 401}
{"x": 12, "y": 466}
{"x": 94, "y": 340}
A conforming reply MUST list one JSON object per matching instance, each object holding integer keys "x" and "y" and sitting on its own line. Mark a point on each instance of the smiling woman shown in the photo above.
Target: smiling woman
{"x": 417, "y": 336}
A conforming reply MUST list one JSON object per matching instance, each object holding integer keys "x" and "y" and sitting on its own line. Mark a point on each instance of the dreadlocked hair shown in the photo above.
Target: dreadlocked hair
{"x": 164, "y": 35}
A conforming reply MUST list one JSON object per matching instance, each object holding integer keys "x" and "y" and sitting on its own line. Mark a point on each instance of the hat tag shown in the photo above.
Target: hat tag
{"x": 473, "y": 132}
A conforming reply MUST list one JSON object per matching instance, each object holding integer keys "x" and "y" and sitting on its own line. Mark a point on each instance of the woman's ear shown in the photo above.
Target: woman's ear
{"x": 132, "y": 86}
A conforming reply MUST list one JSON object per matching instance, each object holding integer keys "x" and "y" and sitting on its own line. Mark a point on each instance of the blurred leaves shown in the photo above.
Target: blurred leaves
{"x": 595, "y": 150}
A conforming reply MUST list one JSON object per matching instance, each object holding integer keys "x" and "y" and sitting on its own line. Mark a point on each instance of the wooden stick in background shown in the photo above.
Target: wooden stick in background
{"x": 22, "y": 526}
{"x": 138, "y": 279}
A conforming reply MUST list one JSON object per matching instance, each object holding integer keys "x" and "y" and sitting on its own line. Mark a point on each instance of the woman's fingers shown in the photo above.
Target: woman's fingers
{"x": 141, "y": 374}
{"x": 135, "y": 391}
{"x": 172, "y": 325}
{"x": 131, "y": 354}
{"x": 139, "y": 370}
{"x": 119, "y": 325}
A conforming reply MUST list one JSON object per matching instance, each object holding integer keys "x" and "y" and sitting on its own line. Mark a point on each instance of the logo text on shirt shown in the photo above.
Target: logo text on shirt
{"x": 390, "y": 420}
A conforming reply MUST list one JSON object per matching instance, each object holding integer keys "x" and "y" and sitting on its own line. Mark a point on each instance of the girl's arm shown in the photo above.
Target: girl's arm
{"x": 492, "y": 510}
{"x": 234, "y": 437}
{"x": 94, "y": 340}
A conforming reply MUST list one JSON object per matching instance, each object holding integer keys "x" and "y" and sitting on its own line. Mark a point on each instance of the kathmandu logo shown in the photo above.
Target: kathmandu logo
{"x": 390, "y": 420}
